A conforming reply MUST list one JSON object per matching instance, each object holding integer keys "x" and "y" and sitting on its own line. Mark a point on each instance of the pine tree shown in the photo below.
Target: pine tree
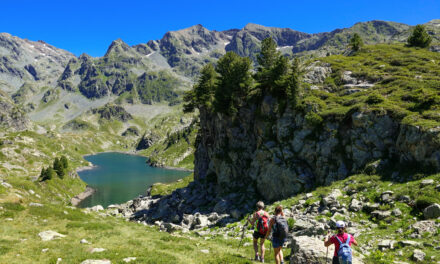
{"x": 43, "y": 174}
{"x": 419, "y": 37}
{"x": 58, "y": 167}
{"x": 271, "y": 66}
{"x": 356, "y": 42}
{"x": 293, "y": 82}
{"x": 201, "y": 96}
{"x": 50, "y": 173}
{"x": 234, "y": 82}
{"x": 64, "y": 162}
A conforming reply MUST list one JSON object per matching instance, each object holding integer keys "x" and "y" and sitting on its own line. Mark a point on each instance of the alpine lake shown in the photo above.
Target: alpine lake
{"x": 118, "y": 177}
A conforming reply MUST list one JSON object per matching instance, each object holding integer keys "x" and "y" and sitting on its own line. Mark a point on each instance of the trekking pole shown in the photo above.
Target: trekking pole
{"x": 243, "y": 231}
{"x": 326, "y": 255}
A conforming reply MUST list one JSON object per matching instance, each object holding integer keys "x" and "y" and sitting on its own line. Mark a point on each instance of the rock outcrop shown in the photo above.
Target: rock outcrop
{"x": 281, "y": 155}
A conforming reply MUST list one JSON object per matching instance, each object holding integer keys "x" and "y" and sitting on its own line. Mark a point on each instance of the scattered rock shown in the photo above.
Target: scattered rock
{"x": 59, "y": 260}
{"x": 355, "y": 205}
{"x": 418, "y": 255}
{"x": 380, "y": 215}
{"x": 84, "y": 241}
{"x": 426, "y": 182}
{"x": 437, "y": 188}
{"x": 96, "y": 261}
{"x": 129, "y": 259}
{"x": 44, "y": 250}
{"x": 396, "y": 212}
{"x": 386, "y": 196}
{"x": 6, "y": 185}
{"x": 205, "y": 251}
{"x": 410, "y": 243}
{"x": 432, "y": 211}
{"x": 35, "y": 204}
{"x": 425, "y": 226}
{"x": 50, "y": 235}
{"x": 97, "y": 208}
{"x": 97, "y": 250}
{"x": 386, "y": 244}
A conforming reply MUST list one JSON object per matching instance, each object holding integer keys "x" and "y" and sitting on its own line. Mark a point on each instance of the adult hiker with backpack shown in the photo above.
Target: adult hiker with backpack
{"x": 279, "y": 235}
{"x": 343, "y": 253}
{"x": 260, "y": 217}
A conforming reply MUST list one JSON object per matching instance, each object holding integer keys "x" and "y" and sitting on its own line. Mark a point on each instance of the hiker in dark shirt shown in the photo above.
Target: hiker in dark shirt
{"x": 340, "y": 238}
{"x": 260, "y": 217}
{"x": 280, "y": 229}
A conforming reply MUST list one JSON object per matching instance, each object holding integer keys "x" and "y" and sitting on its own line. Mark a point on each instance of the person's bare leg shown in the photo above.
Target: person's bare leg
{"x": 256, "y": 246}
{"x": 262, "y": 249}
{"x": 281, "y": 254}
{"x": 277, "y": 255}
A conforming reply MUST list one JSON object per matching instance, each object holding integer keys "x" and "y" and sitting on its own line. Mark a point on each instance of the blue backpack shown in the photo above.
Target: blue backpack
{"x": 344, "y": 252}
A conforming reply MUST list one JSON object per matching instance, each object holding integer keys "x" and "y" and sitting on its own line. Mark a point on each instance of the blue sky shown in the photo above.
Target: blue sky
{"x": 90, "y": 26}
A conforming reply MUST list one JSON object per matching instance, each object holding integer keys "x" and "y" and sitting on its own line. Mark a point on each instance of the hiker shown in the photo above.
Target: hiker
{"x": 342, "y": 241}
{"x": 280, "y": 230}
{"x": 261, "y": 217}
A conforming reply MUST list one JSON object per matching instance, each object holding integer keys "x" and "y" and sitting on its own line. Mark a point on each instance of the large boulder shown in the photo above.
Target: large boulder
{"x": 432, "y": 211}
{"x": 311, "y": 250}
{"x": 50, "y": 235}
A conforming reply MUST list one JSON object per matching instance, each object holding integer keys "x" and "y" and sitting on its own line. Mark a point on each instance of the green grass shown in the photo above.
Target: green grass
{"x": 168, "y": 188}
{"x": 407, "y": 82}
{"x": 121, "y": 239}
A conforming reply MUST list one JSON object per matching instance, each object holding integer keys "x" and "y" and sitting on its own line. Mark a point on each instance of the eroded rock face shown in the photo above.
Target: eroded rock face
{"x": 281, "y": 155}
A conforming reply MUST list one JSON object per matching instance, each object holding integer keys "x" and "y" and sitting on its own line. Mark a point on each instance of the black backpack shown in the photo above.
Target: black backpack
{"x": 280, "y": 228}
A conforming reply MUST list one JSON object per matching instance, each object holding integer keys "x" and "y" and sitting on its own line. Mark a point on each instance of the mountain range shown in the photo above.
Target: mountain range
{"x": 44, "y": 80}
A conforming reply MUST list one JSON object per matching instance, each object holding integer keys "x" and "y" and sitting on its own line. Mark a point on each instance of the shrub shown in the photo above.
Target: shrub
{"x": 374, "y": 98}
{"x": 313, "y": 119}
{"x": 356, "y": 42}
{"x": 424, "y": 201}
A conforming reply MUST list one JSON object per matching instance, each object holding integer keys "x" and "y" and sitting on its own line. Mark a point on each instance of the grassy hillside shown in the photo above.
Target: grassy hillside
{"x": 405, "y": 84}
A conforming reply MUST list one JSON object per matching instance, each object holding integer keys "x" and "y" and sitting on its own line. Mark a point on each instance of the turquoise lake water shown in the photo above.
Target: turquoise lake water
{"x": 121, "y": 177}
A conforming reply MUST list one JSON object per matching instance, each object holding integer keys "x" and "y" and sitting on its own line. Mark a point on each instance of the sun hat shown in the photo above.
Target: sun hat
{"x": 340, "y": 224}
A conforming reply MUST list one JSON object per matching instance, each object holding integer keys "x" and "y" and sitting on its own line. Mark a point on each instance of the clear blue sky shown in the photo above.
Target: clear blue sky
{"x": 90, "y": 26}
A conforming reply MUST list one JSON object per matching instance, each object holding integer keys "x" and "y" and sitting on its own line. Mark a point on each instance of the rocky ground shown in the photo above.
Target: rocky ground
{"x": 383, "y": 226}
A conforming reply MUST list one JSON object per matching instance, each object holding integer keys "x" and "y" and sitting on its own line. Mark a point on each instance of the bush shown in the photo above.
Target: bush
{"x": 374, "y": 99}
{"x": 313, "y": 119}
{"x": 356, "y": 42}
{"x": 424, "y": 201}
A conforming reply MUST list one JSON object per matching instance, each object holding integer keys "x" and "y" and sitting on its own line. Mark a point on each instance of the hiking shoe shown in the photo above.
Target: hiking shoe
{"x": 257, "y": 258}
{"x": 262, "y": 260}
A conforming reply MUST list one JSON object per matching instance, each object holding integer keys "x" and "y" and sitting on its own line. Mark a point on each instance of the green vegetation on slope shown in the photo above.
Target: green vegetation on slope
{"x": 406, "y": 82}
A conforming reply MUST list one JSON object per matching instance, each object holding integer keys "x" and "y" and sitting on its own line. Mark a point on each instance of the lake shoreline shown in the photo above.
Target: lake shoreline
{"x": 159, "y": 175}
{"x": 80, "y": 197}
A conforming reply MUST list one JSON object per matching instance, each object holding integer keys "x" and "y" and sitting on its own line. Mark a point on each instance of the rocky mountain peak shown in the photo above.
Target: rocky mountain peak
{"x": 117, "y": 46}
{"x": 24, "y": 60}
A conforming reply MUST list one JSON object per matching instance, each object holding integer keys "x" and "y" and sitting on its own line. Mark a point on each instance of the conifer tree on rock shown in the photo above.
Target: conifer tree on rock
{"x": 234, "y": 82}
{"x": 203, "y": 91}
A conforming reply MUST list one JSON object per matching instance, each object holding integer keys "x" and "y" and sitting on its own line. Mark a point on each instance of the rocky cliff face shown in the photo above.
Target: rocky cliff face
{"x": 281, "y": 155}
{"x": 11, "y": 117}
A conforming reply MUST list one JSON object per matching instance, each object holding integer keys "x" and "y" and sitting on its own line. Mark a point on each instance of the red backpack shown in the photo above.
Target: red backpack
{"x": 262, "y": 225}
